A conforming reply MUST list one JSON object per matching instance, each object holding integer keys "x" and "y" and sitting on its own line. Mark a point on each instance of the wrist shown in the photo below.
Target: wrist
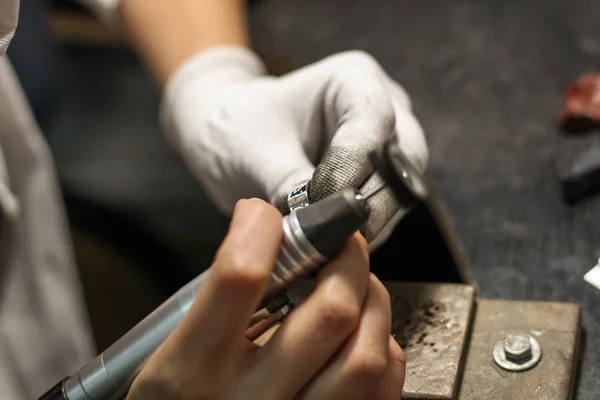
{"x": 217, "y": 64}
{"x": 167, "y": 33}
{"x": 215, "y": 67}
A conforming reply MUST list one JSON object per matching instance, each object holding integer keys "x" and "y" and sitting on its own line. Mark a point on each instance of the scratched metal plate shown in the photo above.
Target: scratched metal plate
{"x": 556, "y": 326}
{"x": 430, "y": 322}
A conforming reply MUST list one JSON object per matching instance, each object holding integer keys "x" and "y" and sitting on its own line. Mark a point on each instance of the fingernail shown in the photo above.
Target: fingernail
{"x": 253, "y": 215}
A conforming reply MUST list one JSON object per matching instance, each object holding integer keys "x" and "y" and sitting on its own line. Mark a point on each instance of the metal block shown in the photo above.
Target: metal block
{"x": 430, "y": 322}
{"x": 448, "y": 339}
{"x": 556, "y": 326}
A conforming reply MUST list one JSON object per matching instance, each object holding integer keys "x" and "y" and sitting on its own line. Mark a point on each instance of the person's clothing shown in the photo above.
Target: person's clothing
{"x": 44, "y": 332}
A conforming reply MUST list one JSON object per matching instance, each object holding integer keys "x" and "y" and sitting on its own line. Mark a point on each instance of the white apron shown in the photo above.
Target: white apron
{"x": 44, "y": 332}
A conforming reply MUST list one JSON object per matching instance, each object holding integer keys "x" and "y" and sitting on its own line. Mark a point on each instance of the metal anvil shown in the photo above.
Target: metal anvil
{"x": 448, "y": 336}
{"x": 459, "y": 347}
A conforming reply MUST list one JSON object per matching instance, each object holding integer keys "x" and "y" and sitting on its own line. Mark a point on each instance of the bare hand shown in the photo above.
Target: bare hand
{"x": 335, "y": 345}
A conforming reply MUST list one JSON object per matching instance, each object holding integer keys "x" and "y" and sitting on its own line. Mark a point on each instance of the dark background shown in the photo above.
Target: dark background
{"x": 487, "y": 80}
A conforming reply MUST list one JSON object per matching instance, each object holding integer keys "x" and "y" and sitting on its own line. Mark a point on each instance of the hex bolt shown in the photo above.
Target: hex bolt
{"x": 517, "y": 348}
{"x": 517, "y": 352}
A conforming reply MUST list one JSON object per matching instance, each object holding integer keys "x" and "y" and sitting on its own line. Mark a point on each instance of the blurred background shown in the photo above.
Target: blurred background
{"x": 487, "y": 80}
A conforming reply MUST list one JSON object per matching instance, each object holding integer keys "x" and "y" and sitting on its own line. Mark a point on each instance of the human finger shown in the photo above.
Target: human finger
{"x": 316, "y": 329}
{"x": 224, "y": 306}
{"x": 363, "y": 360}
{"x": 390, "y": 387}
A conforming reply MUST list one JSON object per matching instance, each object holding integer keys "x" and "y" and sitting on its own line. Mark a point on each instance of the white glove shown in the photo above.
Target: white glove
{"x": 9, "y": 16}
{"x": 245, "y": 134}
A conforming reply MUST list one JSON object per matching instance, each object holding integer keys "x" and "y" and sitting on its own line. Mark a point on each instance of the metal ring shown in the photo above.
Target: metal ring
{"x": 298, "y": 197}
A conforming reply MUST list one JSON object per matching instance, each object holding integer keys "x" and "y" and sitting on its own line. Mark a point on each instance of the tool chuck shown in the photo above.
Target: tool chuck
{"x": 329, "y": 223}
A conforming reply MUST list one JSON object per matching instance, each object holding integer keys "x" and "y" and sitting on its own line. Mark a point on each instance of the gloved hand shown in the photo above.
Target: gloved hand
{"x": 335, "y": 345}
{"x": 245, "y": 134}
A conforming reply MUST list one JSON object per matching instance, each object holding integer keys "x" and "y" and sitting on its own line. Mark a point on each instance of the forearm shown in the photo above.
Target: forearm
{"x": 168, "y": 32}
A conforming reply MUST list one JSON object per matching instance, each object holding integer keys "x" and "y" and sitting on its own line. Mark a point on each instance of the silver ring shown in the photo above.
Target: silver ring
{"x": 298, "y": 198}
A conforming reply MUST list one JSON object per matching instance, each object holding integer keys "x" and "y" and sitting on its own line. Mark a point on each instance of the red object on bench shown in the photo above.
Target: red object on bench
{"x": 581, "y": 112}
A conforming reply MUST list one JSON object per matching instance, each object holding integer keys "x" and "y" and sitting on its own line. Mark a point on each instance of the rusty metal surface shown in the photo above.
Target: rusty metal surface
{"x": 556, "y": 326}
{"x": 430, "y": 322}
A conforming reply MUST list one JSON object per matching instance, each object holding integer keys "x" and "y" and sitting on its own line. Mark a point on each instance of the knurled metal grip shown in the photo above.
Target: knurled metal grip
{"x": 298, "y": 258}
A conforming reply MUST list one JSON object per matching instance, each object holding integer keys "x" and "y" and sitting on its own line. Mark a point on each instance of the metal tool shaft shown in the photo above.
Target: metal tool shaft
{"x": 311, "y": 236}
{"x": 109, "y": 376}
{"x": 373, "y": 191}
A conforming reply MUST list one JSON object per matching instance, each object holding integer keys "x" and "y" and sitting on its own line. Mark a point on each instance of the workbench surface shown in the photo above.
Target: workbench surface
{"x": 487, "y": 80}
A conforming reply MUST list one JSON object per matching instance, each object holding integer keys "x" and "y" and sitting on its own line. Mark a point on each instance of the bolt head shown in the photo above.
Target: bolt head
{"x": 517, "y": 348}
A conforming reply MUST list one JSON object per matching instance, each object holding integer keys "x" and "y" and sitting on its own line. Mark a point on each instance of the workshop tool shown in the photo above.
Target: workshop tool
{"x": 312, "y": 236}
{"x": 577, "y": 167}
{"x": 577, "y": 158}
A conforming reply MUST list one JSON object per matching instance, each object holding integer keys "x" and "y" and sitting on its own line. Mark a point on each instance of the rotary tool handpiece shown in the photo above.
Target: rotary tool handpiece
{"x": 312, "y": 236}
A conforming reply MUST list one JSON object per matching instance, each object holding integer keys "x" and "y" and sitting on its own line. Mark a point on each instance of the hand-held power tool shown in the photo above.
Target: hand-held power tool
{"x": 312, "y": 236}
